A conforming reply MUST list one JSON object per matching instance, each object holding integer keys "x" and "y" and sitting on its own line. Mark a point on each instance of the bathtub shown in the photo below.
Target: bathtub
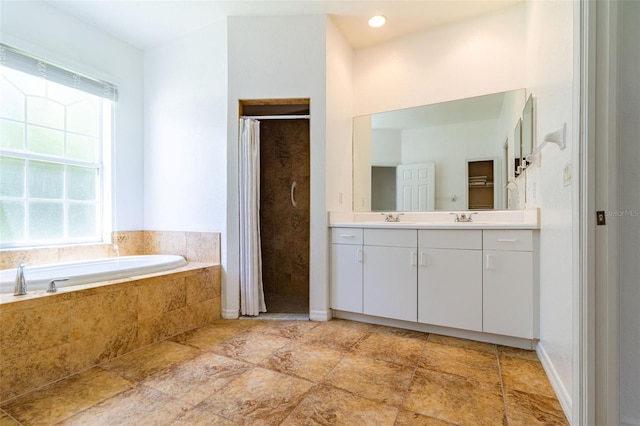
{"x": 89, "y": 271}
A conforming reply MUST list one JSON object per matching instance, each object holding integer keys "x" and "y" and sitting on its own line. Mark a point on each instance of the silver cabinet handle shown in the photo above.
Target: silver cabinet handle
{"x": 507, "y": 240}
{"x": 414, "y": 258}
{"x": 347, "y": 236}
{"x": 293, "y": 194}
{"x": 488, "y": 265}
{"x": 360, "y": 256}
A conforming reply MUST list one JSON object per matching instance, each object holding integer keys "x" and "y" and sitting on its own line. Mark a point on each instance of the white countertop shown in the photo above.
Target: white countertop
{"x": 494, "y": 219}
{"x": 433, "y": 225}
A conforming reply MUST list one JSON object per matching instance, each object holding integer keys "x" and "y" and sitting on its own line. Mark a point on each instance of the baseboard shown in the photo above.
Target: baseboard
{"x": 561, "y": 392}
{"x": 319, "y": 315}
{"x": 230, "y": 314}
{"x": 627, "y": 421}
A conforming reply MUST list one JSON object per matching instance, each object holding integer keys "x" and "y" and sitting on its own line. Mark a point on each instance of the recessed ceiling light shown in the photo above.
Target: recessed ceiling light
{"x": 377, "y": 21}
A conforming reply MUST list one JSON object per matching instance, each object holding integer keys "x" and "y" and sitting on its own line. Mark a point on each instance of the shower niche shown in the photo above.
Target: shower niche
{"x": 284, "y": 201}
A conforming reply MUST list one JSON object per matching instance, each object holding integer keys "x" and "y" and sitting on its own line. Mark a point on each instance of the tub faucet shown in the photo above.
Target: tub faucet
{"x": 21, "y": 284}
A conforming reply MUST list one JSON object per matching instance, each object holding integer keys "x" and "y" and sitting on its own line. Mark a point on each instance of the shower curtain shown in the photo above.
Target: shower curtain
{"x": 251, "y": 289}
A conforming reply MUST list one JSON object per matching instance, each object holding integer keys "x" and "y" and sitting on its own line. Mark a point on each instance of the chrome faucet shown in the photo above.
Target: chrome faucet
{"x": 21, "y": 284}
{"x": 463, "y": 217}
{"x": 389, "y": 217}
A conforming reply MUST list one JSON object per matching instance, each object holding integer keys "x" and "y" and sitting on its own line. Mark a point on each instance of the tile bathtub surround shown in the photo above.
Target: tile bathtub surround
{"x": 201, "y": 247}
{"x": 44, "y": 338}
{"x": 339, "y": 372}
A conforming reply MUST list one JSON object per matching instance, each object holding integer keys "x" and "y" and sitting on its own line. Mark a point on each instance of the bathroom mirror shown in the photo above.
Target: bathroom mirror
{"x": 517, "y": 143}
{"x": 527, "y": 129}
{"x": 418, "y": 159}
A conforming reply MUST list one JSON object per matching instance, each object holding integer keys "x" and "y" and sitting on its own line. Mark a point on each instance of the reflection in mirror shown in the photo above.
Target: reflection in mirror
{"x": 517, "y": 143}
{"x": 527, "y": 128}
{"x": 417, "y": 159}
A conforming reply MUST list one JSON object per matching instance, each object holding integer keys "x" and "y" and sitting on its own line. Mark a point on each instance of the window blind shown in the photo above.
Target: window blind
{"x": 13, "y": 58}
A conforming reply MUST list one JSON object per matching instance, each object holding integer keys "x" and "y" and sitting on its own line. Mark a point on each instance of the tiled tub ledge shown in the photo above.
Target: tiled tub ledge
{"x": 46, "y": 337}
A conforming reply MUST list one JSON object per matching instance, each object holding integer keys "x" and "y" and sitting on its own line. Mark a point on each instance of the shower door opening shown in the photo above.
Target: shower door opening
{"x": 284, "y": 204}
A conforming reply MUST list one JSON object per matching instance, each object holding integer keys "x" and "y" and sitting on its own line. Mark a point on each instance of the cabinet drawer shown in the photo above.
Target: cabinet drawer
{"x": 507, "y": 239}
{"x": 346, "y": 236}
{"x": 450, "y": 239}
{"x": 391, "y": 237}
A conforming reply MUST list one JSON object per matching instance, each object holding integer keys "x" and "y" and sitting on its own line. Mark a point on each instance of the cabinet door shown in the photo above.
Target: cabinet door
{"x": 508, "y": 297}
{"x": 450, "y": 288}
{"x": 346, "y": 277}
{"x": 390, "y": 277}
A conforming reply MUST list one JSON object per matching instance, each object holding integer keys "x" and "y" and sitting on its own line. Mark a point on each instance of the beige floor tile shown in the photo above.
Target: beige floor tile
{"x": 517, "y": 353}
{"x": 335, "y": 335}
{"x": 305, "y": 361}
{"x": 525, "y": 376}
{"x": 329, "y": 406}
{"x": 353, "y": 325}
{"x": 6, "y": 420}
{"x": 210, "y": 335}
{"x": 377, "y": 380}
{"x": 289, "y": 329}
{"x": 142, "y": 363}
{"x": 62, "y": 399}
{"x": 196, "y": 379}
{"x": 198, "y": 417}
{"x": 407, "y": 418}
{"x": 524, "y": 409}
{"x": 251, "y": 347}
{"x": 138, "y": 406}
{"x": 455, "y": 399}
{"x": 390, "y": 347}
{"x": 400, "y": 332}
{"x": 258, "y": 396}
{"x": 481, "y": 366}
{"x": 462, "y": 343}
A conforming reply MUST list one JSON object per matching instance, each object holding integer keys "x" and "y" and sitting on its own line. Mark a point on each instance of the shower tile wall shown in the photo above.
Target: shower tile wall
{"x": 284, "y": 158}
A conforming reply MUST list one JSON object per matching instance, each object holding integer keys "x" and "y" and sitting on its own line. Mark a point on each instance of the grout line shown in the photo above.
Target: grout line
{"x": 504, "y": 396}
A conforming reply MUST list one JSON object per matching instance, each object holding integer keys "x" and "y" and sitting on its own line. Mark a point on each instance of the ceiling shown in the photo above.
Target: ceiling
{"x": 146, "y": 23}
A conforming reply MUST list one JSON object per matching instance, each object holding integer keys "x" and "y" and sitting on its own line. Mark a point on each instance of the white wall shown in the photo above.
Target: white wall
{"x": 629, "y": 208}
{"x": 185, "y": 161}
{"x": 287, "y": 59}
{"x": 339, "y": 96}
{"x": 449, "y": 146}
{"x": 550, "y": 73}
{"x": 44, "y": 31}
{"x": 475, "y": 57}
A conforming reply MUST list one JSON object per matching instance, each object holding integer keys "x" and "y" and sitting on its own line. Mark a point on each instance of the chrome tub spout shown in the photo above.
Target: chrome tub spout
{"x": 21, "y": 284}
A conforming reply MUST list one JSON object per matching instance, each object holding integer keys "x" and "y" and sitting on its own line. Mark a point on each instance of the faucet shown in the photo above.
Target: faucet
{"x": 389, "y": 217}
{"x": 21, "y": 284}
{"x": 463, "y": 217}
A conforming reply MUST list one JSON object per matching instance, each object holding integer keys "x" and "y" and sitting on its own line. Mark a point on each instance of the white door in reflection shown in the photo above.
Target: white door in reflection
{"x": 415, "y": 187}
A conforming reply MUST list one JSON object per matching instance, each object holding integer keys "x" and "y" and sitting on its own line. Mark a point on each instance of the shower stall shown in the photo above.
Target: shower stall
{"x": 284, "y": 206}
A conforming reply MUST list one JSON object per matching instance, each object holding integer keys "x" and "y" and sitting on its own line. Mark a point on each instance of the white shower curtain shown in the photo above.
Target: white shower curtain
{"x": 251, "y": 291}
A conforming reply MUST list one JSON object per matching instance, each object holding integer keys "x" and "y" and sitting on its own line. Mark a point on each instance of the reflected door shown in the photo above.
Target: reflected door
{"x": 415, "y": 187}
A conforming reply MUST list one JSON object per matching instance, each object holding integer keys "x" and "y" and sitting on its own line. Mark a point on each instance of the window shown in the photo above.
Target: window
{"x": 55, "y": 128}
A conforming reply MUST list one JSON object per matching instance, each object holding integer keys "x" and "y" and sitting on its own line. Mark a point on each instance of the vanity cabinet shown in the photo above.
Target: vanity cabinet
{"x": 449, "y": 282}
{"x": 509, "y": 292}
{"x": 482, "y": 280}
{"x": 346, "y": 269}
{"x": 390, "y": 273}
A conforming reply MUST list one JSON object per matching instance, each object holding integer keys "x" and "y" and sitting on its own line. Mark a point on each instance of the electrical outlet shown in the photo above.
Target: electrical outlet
{"x": 566, "y": 174}
{"x": 340, "y": 198}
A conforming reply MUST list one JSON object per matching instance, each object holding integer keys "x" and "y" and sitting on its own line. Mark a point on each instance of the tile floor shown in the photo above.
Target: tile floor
{"x": 267, "y": 372}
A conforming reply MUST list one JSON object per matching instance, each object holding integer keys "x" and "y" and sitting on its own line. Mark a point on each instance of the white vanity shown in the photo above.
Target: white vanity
{"x": 476, "y": 280}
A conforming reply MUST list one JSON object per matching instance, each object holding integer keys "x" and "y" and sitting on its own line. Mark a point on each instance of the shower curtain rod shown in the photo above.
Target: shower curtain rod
{"x": 276, "y": 117}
